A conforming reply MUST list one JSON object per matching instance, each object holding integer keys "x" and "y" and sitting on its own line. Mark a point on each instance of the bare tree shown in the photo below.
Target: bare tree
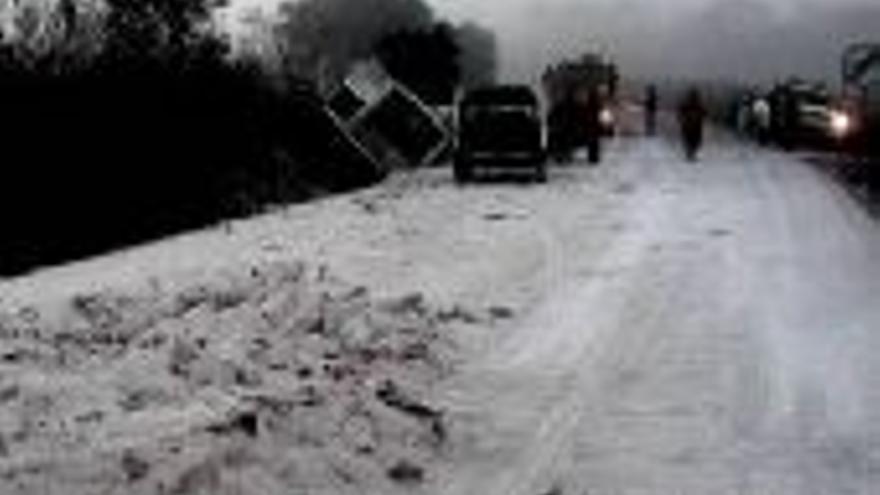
{"x": 478, "y": 54}
{"x": 322, "y": 38}
{"x": 53, "y": 36}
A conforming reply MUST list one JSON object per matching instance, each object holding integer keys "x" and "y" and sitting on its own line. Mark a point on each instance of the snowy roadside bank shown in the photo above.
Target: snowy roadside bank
{"x": 305, "y": 349}
{"x": 217, "y": 360}
{"x": 274, "y": 378}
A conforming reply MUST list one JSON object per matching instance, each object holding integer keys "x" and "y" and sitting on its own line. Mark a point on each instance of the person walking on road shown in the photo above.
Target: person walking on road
{"x": 761, "y": 116}
{"x": 691, "y": 116}
{"x": 651, "y": 102}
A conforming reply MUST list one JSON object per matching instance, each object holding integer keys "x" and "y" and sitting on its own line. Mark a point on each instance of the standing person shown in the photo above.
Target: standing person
{"x": 784, "y": 116}
{"x": 745, "y": 115}
{"x": 651, "y": 102}
{"x": 790, "y": 119}
{"x": 761, "y": 116}
{"x": 593, "y": 125}
{"x": 691, "y": 115}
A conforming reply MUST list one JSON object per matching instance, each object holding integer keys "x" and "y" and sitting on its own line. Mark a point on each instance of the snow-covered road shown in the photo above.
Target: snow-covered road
{"x": 722, "y": 341}
{"x": 649, "y": 326}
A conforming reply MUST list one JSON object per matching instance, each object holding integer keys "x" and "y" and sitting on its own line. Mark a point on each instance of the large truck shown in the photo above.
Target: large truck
{"x": 568, "y": 88}
{"x": 861, "y": 100}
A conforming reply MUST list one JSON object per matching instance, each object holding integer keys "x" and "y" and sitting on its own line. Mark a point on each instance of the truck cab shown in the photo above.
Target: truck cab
{"x": 574, "y": 119}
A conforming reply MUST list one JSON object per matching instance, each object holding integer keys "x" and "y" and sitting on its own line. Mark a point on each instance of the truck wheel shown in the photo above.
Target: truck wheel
{"x": 595, "y": 154}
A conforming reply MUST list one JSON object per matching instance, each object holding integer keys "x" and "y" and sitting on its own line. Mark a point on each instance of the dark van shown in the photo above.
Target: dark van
{"x": 500, "y": 127}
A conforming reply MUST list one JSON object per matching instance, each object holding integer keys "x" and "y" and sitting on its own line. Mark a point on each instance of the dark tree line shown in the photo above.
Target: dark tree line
{"x": 123, "y": 120}
{"x": 424, "y": 60}
{"x": 322, "y": 38}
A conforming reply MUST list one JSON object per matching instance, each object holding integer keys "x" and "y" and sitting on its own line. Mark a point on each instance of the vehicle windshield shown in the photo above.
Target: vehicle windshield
{"x": 440, "y": 247}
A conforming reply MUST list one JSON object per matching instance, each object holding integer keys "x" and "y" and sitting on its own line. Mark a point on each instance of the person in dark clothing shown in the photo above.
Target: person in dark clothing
{"x": 691, "y": 115}
{"x": 593, "y": 125}
{"x": 789, "y": 108}
{"x": 784, "y": 116}
{"x": 651, "y": 102}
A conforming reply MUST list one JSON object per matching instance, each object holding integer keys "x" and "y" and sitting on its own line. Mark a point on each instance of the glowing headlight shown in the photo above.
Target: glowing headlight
{"x": 841, "y": 124}
{"x": 606, "y": 117}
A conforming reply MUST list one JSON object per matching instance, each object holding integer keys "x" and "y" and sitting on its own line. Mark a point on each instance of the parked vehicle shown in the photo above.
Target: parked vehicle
{"x": 806, "y": 114}
{"x": 500, "y": 127}
{"x": 860, "y": 114}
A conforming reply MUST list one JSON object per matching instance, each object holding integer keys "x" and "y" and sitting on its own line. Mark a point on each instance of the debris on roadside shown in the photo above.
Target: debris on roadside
{"x": 457, "y": 312}
{"x": 407, "y": 473}
{"x": 554, "y": 490}
{"x": 720, "y": 232}
{"x": 392, "y": 396}
{"x": 495, "y": 216}
{"x": 134, "y": 467}
{"x": 275, "y": 362}
{"x": 501, "y": 313}
{"x": 246, "y": 422}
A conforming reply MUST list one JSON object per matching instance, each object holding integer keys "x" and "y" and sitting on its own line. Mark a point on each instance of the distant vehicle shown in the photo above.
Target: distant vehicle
{"x": 568, "y": 87}
{"x": 500, "y": 127}
{"x": 807, "y": 115}
{"x": 860, "y": 116}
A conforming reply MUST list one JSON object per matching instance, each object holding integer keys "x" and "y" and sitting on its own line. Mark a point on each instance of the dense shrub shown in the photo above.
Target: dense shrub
{"x": 154, "y": 132}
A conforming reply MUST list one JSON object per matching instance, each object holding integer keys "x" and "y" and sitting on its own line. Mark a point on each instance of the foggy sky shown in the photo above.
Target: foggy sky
{"x": 749, "y": 40}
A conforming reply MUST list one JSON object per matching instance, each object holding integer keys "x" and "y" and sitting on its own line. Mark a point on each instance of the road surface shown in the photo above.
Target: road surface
{"x": 723, "y": 341}
{"x": 666, "y": 327}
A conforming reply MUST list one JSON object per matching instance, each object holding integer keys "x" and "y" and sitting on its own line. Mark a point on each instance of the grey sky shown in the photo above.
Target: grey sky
{"x": 751, "y": 39}
{"x": 746, "y": 39}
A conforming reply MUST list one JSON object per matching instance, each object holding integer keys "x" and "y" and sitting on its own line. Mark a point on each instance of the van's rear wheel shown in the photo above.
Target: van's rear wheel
{"x": 462, "y": 171}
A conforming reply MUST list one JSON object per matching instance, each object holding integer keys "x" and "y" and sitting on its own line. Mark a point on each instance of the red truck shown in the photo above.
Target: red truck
{"x": 576, "y": 119}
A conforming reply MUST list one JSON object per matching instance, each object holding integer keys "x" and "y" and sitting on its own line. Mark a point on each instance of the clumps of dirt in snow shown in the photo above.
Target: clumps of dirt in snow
{"x": 269, "y": 380}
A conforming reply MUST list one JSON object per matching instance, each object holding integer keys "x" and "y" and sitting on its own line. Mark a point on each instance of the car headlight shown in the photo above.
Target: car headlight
{"x": 841, "y": 123}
